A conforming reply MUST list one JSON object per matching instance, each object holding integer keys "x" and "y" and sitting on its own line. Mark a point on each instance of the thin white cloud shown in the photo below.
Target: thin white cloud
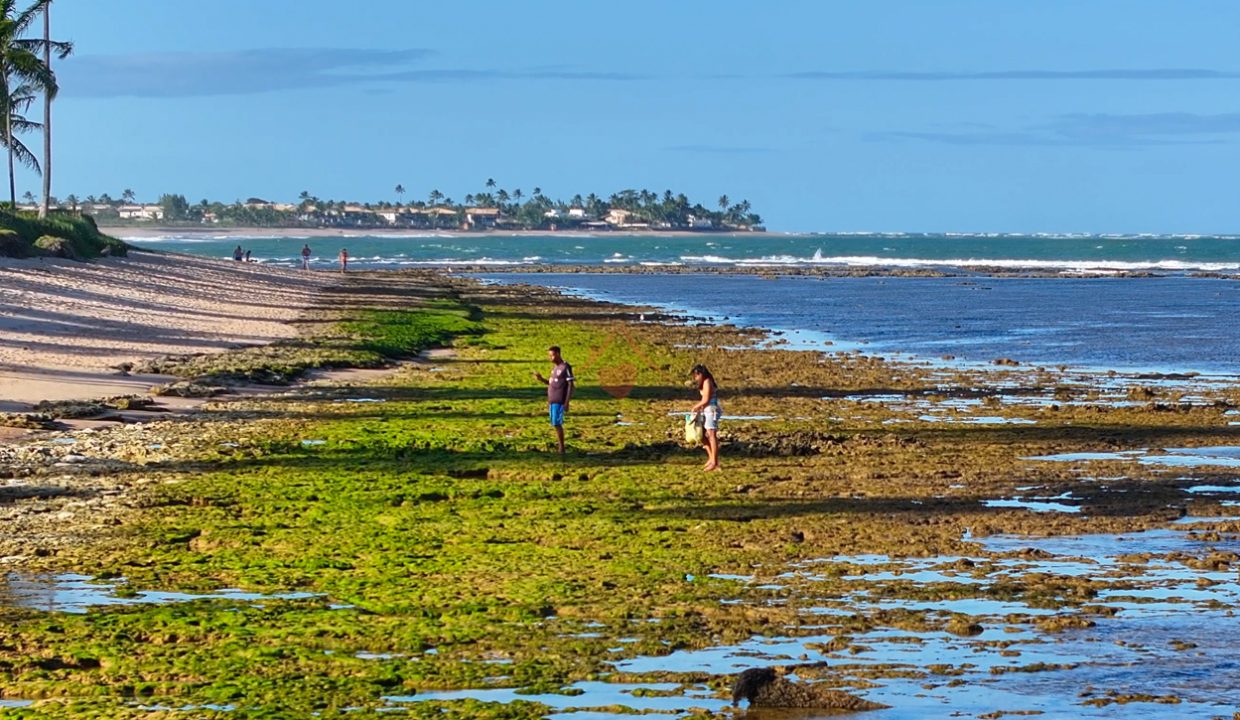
{"x": 1098, "y": 130}
{"x": 265, "y": 70}
{"x": 1103, "y": 74}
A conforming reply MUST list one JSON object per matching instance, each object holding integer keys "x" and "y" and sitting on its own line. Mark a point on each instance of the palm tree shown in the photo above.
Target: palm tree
{"x": 128, "y": 196}
{"x": 723, "y": 202}
{"x": 435, "y": 197}
{"x": 62, "y": 52}
{"x": 490, "y": 182}
{"x": 517, "y": 195}
{"x": 20, "y": 64}
{"x": 400, "y": 192}
{"x": 13, "y": 106}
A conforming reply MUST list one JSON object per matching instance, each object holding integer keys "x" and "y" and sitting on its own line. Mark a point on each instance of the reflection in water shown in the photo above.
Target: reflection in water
{"x": 78, "y": 593}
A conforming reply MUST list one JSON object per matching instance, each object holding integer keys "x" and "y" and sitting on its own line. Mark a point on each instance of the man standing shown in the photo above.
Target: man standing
{"x": 559, "y": 391}
{"x": 305, "y": 257}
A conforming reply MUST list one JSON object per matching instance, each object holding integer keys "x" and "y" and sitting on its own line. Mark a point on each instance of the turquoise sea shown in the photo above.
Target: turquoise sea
{"x": 1169, "y": 321}
{"x": 1066, "y": 253}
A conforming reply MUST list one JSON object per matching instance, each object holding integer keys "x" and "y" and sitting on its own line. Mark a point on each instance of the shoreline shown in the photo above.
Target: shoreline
{"x": 129, "y": 232}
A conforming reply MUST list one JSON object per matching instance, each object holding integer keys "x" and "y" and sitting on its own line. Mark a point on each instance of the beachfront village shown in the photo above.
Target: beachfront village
{"x": 491, "y": 209}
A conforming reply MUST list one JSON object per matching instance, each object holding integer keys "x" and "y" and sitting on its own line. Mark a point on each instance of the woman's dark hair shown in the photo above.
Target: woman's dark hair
{"x": 701, "y": 370}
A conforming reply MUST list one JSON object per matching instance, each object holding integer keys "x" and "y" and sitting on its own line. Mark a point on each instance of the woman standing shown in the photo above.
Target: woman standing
{"x": 708, "y": 406}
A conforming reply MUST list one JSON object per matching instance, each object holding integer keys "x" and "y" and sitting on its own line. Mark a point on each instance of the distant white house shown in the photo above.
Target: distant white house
{"x": 700, "y": 223}
{"x": 576, "y": 212}
{"x": 617, "y": 216}
{"x": 140, "y": 212}
{"x": 481, "y": 217}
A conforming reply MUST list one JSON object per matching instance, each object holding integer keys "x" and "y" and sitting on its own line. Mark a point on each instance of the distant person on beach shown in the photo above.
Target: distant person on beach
{"x": 238, "y": 254}
{"x": 559, "y": 391}
{"x": 305, "y": 256}
{"x": 344, "y": 260}
{"x": 247, "y": 256}
{"x": 708, "y": 406}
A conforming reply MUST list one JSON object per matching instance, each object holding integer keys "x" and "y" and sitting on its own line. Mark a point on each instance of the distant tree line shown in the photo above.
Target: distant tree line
{"x": 490, "y": 207}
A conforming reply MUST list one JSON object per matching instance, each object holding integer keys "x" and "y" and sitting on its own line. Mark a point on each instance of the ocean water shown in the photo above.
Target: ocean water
{"x": 1169, "y": 323}
{"x": 1155, "y": 324}
{"x": 1049, "y": 253}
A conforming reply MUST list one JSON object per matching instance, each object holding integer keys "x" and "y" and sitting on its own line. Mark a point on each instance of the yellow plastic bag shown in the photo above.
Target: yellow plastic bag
{"x": 695, "y": 424}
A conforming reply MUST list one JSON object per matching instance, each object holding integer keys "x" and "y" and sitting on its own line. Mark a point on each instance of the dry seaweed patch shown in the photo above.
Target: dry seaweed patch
{"x": 437, "y": 520}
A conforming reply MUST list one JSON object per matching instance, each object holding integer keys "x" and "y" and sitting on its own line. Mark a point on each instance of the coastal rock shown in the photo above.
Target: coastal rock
{"x": 72, "y": 408}
{"x": 11, "y": 244}
{"x": 187, "y": 389}
{"x": 57, "y": 247}
{"x": 34, "y": 421}
{"x": 766, "y": 687}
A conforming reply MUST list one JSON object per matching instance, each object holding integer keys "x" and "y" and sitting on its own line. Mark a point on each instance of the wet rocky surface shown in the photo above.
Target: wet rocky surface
{"x": 947, "y": 542}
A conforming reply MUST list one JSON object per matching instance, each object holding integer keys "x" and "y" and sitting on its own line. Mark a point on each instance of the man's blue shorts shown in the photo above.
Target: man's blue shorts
{"x": 556, "y": 410}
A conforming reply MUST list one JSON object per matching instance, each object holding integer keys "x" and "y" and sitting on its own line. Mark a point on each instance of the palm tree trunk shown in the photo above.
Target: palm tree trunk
{"x": 47, "y": 114}
{"x": 8, "y": 136}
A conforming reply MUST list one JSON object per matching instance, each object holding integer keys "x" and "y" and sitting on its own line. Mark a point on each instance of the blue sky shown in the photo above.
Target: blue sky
{"x": 952, "y": 115}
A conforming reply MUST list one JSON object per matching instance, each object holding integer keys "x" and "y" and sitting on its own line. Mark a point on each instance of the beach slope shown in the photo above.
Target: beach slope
{"x": 66, "y": 327}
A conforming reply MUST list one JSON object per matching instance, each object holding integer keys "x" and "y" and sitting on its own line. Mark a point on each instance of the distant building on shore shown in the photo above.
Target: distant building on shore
{"x": 140, "y": 212}
{"x": 481, "y": 218}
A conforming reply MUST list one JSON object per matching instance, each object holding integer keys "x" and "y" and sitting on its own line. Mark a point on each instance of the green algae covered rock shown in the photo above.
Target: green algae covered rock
{"x": 57, "y": 247}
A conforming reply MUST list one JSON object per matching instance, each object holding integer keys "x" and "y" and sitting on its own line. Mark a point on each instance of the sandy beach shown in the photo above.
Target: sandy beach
{"x": 65, "y": 327}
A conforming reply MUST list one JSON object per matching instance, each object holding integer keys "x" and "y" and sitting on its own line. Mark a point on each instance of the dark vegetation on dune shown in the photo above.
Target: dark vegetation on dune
{"x": 63, "y": 235}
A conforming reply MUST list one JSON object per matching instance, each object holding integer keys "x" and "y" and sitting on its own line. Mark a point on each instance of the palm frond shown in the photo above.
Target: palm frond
{"x": 23, "y": 20}
{"x": 35, "y": 45}
{"x": 21, "y": 153}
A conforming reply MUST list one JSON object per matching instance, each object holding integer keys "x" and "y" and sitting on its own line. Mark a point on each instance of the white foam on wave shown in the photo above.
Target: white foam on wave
{"x": 1016, "y": 264}
{"x": 196, "y": 239}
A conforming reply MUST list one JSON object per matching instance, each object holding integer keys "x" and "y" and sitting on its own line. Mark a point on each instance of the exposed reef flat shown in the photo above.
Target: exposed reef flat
{"x": 411, "y": 543}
